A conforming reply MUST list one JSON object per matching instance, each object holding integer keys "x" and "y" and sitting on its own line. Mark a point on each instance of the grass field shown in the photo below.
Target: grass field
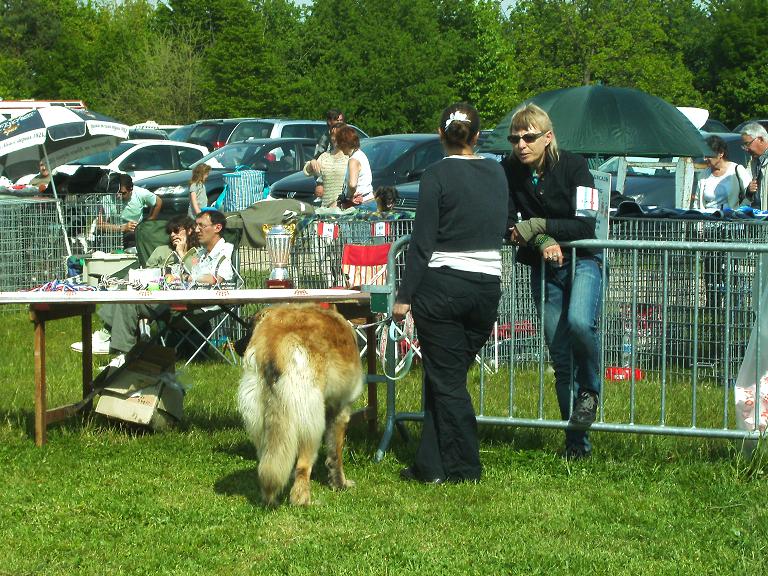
{"x": 104, "y": 499}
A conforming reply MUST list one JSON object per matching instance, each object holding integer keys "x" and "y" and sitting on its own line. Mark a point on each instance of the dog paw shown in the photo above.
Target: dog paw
{"x": 300, "y": 497}
{"x": 343, "y": 484}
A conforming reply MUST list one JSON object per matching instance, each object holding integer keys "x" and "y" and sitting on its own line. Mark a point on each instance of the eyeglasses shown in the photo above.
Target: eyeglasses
{"x": 746, "y": 146}
{"x": 529, "y": 138}
{"x": 202, "y": 226}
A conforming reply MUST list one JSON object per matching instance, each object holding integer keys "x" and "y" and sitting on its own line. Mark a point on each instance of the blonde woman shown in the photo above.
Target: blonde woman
{"x": 198, "y": 197}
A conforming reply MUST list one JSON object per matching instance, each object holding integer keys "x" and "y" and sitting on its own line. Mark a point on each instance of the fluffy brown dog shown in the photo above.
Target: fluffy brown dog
{"x": 301, "y": 373}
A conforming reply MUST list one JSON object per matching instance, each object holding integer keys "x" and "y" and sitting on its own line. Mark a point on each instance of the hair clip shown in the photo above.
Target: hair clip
{"x": 457, "y": 116}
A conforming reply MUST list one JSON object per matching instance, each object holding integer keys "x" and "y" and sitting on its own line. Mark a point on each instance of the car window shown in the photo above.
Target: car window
{"x": 104, "y": 158}
{"x": 317, "y": 130}
{"x": 181, "y": 134}
{"x": 246, "y": 130}
{"x": 382, "y": 153}
{"x": 282, "y": 158}
{"x": 296, "y": 131}
{"x": 149, "y": 158}
{"x": 308, "y": 151}
{"x": 427, "y": 155}
{"x": 187, "y": 156}
{"x": 204, "y": 134}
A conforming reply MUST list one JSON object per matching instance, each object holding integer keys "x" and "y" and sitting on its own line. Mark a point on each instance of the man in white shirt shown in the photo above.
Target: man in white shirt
{"x": 210, "y": 267}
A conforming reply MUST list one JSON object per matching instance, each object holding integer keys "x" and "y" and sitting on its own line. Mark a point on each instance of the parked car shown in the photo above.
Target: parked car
{"x": 146, "y": 134}
{"x": 214, "y": 132}
{"x": 152, "y": 125}
{"x": 281, "y": 128}
{"x": 142, "y": 158}
{"x": 653, "y": 186}
{"x": 762, "y": 121}
{"x": 182, "y": 132}
{"x": 394, "y": 159}
{"x": 278, "y": 157}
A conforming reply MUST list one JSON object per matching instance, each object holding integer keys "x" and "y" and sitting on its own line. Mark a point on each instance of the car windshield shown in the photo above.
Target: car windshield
{"x": 382, "y": 153}
{"x": 182, "y": 133}
{"x": 231, "y": 156}
{"x": 104, "y": 158}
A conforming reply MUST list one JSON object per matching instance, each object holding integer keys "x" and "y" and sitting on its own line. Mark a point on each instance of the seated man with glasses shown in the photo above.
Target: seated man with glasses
{"x": 210, "y": 267}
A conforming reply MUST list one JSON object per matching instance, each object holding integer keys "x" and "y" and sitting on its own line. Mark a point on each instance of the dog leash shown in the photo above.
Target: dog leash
{"x": 404, "y": 366}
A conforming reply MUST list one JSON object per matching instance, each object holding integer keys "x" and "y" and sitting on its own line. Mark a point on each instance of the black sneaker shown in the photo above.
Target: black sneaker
{"x": 576, "y": 453}
{"x": 584, "y": 409}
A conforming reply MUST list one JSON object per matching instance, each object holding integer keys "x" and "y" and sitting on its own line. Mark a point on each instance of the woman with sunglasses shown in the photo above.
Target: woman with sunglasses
{"x": 452, "y": 285}
{"x": 543, "y": 189}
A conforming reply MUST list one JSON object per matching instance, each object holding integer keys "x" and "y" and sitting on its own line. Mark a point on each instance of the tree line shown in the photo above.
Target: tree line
{"x": 391, "y": 66}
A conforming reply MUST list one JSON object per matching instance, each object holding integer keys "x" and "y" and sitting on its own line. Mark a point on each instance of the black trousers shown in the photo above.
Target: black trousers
{"x": 454, "y": 313}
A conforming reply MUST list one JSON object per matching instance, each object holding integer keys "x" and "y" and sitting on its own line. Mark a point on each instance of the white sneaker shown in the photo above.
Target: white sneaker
{"x": 99, "y": 343}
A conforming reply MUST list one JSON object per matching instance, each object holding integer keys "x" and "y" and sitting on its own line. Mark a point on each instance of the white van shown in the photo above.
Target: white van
{"x": 13, "y": 108}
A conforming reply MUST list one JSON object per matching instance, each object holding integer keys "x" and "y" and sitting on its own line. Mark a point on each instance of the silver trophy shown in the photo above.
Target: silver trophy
{"x": 279, "y": 238}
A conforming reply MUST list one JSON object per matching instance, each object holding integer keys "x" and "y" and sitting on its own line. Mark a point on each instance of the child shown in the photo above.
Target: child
{"x": 198, "y": 198}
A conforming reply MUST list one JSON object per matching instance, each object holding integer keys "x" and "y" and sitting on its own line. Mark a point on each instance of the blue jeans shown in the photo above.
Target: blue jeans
{"x": 571, "y": 309}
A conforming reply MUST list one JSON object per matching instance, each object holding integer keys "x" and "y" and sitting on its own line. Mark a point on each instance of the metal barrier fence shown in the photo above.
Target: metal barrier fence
{"x": 32, "y": 247}
{"x": 662, "y": 383}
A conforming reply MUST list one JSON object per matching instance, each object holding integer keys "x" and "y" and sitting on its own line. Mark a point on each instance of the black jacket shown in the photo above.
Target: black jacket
{"x": 554, "y": 198}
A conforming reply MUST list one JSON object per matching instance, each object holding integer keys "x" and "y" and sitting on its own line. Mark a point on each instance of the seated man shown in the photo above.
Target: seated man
{"x": 42, "y": 178}
{"x": 211, "y": 266}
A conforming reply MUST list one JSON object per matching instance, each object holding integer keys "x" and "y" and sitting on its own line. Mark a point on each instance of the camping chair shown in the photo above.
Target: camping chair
{"x": 192, "y": 331}
{"x": 364, "y": 265}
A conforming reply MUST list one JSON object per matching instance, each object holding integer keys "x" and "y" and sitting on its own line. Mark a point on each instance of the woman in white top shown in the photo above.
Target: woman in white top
{"x": 723, "y": 183}
{"x": 358, "y": 182}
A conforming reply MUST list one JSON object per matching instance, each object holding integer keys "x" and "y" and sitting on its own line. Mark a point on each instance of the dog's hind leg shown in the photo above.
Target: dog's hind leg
{"x": 335, "y": 432}
{"x": 300, "y": 492}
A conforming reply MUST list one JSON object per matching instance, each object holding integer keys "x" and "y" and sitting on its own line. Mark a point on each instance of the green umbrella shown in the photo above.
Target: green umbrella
{"x": 611, "y": 121}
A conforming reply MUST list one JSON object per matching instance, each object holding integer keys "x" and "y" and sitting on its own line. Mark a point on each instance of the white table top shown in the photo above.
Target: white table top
{"x": 196, "y": 297}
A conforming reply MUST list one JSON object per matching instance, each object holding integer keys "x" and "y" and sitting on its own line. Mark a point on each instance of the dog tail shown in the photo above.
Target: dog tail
{"x": 294, "y": 419}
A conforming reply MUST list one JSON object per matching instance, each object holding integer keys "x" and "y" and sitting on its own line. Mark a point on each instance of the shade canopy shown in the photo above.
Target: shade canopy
{"x": 611, "y": 121}
{"x": 57, "y": 133}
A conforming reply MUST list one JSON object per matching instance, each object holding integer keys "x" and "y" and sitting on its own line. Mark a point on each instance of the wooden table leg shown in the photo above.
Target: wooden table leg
{"x": 86, "y": 324}
{"x": 40, "y": 389}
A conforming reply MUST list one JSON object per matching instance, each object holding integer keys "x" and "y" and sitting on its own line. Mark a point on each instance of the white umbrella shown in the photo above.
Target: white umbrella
{"x": 56, "y": 135}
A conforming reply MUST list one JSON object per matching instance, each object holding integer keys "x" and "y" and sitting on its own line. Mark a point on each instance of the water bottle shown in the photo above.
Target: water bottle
{"x": 626, "y": 354}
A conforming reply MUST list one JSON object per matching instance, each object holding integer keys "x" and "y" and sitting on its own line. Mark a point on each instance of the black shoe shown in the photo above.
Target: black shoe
{"x": 573, "y": 453}
{"x": 410, "y": 475}
{"x": 584, "y": 409}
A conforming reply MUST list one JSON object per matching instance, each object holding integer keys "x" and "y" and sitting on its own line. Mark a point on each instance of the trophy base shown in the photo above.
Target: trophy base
{"x": 286, "y": 283}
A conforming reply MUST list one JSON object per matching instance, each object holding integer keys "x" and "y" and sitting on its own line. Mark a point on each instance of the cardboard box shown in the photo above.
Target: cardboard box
{"x": 101, "y": 265}
{"x": 144, "y": 389}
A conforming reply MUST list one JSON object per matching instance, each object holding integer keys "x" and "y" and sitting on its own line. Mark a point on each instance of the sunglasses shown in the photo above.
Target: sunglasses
{"x": 529, "y": 138}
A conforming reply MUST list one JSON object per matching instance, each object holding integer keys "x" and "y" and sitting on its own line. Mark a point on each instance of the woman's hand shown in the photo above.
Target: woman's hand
{"x": 553, "y": 255}
{"x": 180, "y": 245}
{"x": 399, "y": 310}
{"x": 516, "y": 238}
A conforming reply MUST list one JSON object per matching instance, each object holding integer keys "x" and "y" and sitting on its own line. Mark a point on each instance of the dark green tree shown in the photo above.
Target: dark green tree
{"x": 736, "y": 80}
{"x": 561, "y": 43}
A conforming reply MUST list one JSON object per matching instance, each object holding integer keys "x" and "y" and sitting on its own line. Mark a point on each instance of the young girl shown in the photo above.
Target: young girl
{"x": 198, "y": 199}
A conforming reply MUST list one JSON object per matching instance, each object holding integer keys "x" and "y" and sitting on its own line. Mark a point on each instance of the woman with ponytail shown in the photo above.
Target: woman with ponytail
{"x": 452, "y": 286}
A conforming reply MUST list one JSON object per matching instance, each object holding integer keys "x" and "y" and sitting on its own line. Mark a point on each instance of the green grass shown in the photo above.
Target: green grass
{"x": 101, "y": 498}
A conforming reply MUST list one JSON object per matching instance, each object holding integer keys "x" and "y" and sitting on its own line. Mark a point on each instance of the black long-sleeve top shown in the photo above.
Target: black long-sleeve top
{"x": 462, "y": 207}
{"x": 553, "y": 198}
